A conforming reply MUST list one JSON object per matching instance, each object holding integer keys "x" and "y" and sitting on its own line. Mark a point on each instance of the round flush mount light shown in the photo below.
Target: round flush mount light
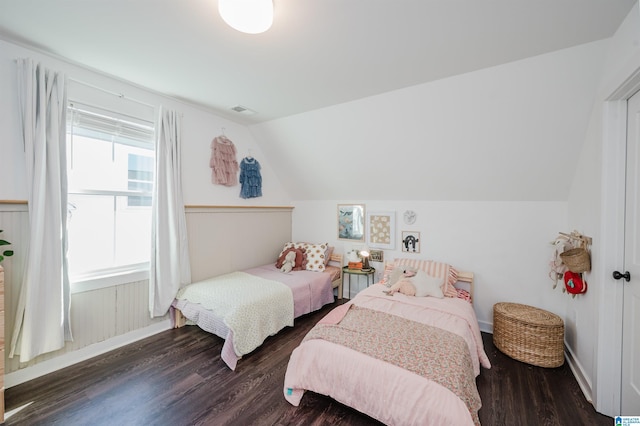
{"x": 247, "y": 16}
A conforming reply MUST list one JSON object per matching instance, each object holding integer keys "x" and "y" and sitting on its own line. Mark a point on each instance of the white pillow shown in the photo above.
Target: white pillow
{"x": 315, "y": 256}
{"x": 426, "y": 285}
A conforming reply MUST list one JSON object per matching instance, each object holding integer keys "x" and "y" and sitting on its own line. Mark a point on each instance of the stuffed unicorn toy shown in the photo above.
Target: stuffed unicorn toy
{"x": 403, "y": 285}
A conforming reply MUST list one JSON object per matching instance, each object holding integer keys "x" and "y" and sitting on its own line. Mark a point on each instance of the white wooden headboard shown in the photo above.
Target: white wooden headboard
{"x": 465, "y": 282}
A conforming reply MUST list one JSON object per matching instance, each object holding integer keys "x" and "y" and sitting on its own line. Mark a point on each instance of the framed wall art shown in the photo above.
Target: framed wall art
{"x": 381, "y": 227}
{"x": 410, "y": 242}
{"x": 376, "y": 256}
{"x": 351, "y": 222}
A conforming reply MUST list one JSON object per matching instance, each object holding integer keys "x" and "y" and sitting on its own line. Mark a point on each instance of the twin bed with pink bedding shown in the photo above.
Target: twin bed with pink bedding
{"x": 403, "y": 360}
{"x": 246, "y": 307}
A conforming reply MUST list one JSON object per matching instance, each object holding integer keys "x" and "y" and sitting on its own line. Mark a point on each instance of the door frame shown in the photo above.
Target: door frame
{"x": 608, "y": 378}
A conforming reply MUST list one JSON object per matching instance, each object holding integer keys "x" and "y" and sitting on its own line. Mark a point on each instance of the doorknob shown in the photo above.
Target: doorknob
{"x": 617, "y": 275}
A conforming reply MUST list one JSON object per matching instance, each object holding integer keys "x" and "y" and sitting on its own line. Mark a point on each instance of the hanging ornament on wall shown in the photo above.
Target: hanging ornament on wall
{"x": 250, "y": 178}
{"x": 223, "y": 162}
{"x": 410, "y": 217}
{"x": 574, "y": 283}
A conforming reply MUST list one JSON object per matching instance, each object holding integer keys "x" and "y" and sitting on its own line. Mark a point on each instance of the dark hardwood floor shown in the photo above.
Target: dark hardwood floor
{"x": 178, "y": 378}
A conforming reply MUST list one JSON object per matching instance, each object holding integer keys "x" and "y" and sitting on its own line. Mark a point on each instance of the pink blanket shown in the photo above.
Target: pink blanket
{"x": 311, "y": 290}
{"x": 393, "y": 395}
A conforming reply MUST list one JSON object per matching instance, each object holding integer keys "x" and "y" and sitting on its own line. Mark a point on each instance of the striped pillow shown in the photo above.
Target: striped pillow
{"x": 435, "y": 269}
{"x": 388, "y": 269}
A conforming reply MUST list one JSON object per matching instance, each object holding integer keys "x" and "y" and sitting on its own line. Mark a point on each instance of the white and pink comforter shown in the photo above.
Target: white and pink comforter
{"x": 386, "y": 390}
{"x": 245, "y": 308}
{"x": 238, "y": 298}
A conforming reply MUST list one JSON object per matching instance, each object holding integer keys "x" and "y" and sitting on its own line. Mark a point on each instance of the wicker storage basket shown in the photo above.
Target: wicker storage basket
{"x": 577, "y": 260}
{"x": 529, "y": 334}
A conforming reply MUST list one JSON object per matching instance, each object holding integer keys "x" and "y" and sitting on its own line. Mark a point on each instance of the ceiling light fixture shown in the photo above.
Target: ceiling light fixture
{"x": 247, "y": 16}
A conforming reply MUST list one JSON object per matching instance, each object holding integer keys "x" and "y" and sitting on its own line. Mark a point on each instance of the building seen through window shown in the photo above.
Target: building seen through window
{"x": 110, "y": 166}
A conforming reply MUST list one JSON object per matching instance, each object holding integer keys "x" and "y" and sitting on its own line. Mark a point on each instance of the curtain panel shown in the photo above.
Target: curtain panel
{"x": 42, "y": 319}
{"x": 170, "y": 268}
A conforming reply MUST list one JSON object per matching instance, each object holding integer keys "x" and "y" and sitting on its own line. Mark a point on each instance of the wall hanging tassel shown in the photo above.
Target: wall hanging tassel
{"x": 557, "y": 268}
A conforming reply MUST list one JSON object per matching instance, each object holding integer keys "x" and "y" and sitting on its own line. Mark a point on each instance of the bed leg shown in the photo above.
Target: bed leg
{"x": 180, "y": 319}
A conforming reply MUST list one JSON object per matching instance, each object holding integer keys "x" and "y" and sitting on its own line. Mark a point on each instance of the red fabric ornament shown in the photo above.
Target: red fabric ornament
{"x": 574, "y": 283}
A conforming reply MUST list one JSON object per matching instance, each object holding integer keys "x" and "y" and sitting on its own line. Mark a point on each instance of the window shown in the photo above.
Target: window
{"x": 110, "y": 166}
{"x": 140, "y": 179}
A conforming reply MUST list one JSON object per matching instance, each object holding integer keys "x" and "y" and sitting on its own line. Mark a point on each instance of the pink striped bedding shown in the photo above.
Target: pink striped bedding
{"x": 394, "y": 394}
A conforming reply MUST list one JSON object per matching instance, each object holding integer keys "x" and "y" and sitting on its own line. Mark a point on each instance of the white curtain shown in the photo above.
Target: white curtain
{"x": 42, "y": 318}
{"x": 170, "y": 267}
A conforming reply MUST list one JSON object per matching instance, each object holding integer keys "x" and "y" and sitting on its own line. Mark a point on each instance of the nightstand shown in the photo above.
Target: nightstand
{"x": 370, "y": 273}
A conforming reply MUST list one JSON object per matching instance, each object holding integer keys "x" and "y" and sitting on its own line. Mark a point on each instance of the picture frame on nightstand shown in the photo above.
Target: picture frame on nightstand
{"x": 376, "y": 255}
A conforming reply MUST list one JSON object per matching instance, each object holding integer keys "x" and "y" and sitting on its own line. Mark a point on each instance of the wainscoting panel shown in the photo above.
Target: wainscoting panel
{"x": 96, "y": 315}
{"x": 226, "y": 239}
{"x": 221, "y": 239}
{"x": 93, "y": 317}
{"x": 132, "y": 307}
{"x": 14, "y": 222}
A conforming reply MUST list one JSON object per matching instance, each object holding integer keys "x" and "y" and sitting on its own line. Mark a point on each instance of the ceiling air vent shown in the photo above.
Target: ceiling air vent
{"x": 242, "y": 110}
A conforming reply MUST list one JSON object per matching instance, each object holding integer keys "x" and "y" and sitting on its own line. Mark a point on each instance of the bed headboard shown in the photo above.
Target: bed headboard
{"x": 336, "y": 257}
{"x": 465, "y": 282}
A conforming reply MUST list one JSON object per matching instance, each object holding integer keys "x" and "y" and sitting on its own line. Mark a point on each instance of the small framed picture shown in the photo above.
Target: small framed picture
{"x": 376, "y": 256}
{"x": 410, "y": 242}
{"x": 381, "y": 228}
{"x": 351, "y": 222}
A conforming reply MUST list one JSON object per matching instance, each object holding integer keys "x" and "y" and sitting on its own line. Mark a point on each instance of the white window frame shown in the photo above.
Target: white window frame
{"x": 108, "y": 277}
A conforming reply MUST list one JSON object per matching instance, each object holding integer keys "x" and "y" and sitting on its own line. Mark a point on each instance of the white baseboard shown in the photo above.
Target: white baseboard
{"x": 574, "y": 365}
{"x": 578, "y": 373}
{"x": 486, "y": 327}
{"x": 49, "y": 366}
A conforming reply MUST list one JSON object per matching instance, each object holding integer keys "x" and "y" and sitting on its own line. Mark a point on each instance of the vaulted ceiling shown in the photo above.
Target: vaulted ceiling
{"x": 315, "y": 77}
{"x": 317, "y": 53}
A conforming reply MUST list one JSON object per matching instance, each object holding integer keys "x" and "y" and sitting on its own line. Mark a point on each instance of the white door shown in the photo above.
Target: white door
{"x": 631, "y": 306}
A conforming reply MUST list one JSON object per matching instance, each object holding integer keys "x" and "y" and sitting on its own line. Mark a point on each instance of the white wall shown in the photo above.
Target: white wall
{"x": 199, "y": 128}
{"x": 505, "y": 133}
{"x": 528, "y": 131}
{"x": 510, "y": 135}
{"x": 506, "y": 244}
{"x": 592, "y": 320}
{"x": 378, "y": 125}
{"x": 111, "y": 325}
